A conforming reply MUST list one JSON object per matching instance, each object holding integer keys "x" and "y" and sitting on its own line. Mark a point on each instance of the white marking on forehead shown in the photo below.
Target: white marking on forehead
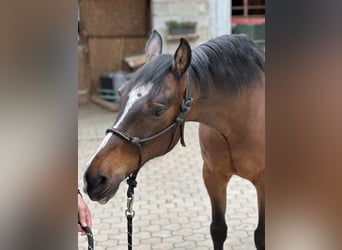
{"x": 135, "y": 94}
{"x": 133, "y": 97}
{"x": 101, "y": 146}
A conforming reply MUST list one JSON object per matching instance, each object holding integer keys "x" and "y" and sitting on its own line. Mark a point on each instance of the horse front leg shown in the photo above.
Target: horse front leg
{"x": 259, "y": 233}
{"x": 216, "y": 185}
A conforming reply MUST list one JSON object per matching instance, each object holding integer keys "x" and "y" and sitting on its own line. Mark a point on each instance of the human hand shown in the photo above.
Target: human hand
{"x": 84, "y": 216}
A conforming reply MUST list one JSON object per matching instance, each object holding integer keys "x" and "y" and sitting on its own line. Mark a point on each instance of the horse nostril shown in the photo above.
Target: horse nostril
{"x": 102, "y": 179}
{"x": 95, "y": 181}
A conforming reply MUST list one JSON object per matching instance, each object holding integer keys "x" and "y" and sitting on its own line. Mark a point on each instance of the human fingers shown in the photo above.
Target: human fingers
{"x": 80, "y": 229}
{"x": 88, "y": 218}
{"x": 82, "y": 212}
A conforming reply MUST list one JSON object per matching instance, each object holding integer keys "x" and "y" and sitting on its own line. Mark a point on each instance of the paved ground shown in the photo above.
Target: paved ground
{"x": 172, "y": 206}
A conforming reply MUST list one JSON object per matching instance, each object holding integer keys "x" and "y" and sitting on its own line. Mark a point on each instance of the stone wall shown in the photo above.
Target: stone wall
{"x": 190, "y": 10}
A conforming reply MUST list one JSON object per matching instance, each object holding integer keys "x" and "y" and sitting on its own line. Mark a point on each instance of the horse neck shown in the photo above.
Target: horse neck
{"x": 226, "y": 111}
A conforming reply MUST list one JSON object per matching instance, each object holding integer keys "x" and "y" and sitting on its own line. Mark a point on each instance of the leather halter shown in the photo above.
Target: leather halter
{"x": 179, "y": 121}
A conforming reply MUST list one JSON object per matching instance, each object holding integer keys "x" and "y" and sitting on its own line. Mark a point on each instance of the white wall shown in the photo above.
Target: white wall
{"x": 212, "y": 17}
{"x": 220, "y": 16}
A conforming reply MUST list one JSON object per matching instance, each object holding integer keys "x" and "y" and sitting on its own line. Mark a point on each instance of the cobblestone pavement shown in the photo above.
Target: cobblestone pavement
{"x": 171, "y": 203}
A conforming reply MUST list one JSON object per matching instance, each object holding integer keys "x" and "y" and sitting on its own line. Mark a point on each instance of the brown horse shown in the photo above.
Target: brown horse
{"x": 220, "y": 84}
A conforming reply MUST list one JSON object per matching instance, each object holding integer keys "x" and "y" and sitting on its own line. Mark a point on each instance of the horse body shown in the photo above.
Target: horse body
{"x": 232, "y": 141}
{"x": 226, "y": 81}
{"x": 237, "y": 149}
{"x": 240, "y": 122}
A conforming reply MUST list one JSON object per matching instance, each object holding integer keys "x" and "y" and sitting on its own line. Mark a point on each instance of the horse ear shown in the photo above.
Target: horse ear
{"x": 153, "y": 46}
{"x": 182, "y": 57}
{"x": 122, "y": 88}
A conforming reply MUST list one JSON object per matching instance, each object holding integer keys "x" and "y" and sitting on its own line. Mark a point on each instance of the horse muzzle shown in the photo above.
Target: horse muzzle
{"x": 100, "y": 187}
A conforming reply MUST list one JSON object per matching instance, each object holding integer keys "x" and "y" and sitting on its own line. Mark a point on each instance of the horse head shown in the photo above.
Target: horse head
{"x": 150, "y": 111}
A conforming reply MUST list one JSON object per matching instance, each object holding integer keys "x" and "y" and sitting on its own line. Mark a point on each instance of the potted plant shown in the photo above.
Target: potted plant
{"x": 179, "y": 28}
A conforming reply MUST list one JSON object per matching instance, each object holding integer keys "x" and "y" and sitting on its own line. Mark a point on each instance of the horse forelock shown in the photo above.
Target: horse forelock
{"x": 153, "y": 72}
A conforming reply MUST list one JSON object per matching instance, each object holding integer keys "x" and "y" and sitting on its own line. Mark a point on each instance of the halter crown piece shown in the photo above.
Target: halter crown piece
{"x": 131, "y": 181}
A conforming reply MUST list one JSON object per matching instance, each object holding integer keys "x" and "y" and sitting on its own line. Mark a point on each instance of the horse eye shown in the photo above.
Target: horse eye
{"x": 159, "y": 111}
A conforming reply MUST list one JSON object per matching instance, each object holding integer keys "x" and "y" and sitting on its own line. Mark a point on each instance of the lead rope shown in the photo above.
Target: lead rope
{"x": 132, "y": 183}
{"x": 90, "y": 238}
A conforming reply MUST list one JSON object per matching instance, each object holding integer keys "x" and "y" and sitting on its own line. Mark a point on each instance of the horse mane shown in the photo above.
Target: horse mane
{"x": 229, "y": 62}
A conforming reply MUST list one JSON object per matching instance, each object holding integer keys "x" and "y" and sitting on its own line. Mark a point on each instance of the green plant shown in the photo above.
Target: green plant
{"x": 175, "y": 24}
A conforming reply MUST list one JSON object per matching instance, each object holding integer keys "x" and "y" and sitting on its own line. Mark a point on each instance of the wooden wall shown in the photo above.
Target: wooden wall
{"x": 111, "y": 30}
